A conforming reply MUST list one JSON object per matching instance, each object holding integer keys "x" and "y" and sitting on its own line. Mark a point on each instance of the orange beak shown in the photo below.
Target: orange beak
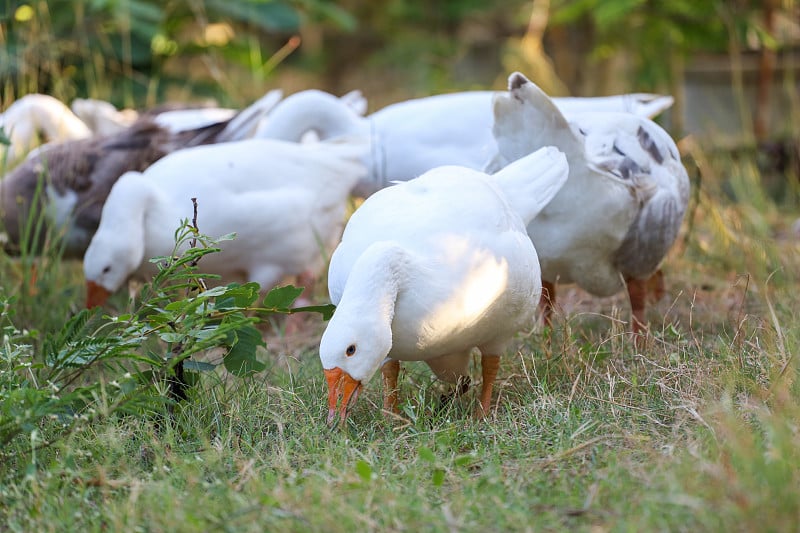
{"x": 340, "y": 383}
{"x": 95, "y": 295}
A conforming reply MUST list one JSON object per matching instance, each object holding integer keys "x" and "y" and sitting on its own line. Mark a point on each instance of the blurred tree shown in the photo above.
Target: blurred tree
{"x": 527, "y": 54}
{"x": 407, "y": 48}
{"x": 649, "y": 33}
{"x": 653, "y": 40}
{"x": 142, "y": 52}
{"x": 119, "y": 49}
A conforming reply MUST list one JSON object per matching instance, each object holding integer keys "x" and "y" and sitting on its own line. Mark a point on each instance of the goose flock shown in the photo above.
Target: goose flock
{"x": 477, "y": 204}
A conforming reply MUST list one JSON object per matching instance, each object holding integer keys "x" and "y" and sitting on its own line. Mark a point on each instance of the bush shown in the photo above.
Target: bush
{"x": 137, "y": 363}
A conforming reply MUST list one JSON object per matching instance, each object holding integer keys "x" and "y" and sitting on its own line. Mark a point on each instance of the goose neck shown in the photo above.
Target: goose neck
{"x": 376, "y": 280}
{"x": 315, "y": 111}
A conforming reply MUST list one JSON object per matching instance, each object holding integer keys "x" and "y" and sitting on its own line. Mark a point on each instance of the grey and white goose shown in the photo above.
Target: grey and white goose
{"x": 74, "y": 178}
{"x": 620, "y": 211}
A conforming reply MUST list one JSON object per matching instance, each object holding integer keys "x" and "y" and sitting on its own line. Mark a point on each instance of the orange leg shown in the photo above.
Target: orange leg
{"x": 547, "y": 302}
{"x": 655, "y": 286}
{"x": 489, "y": 366}
{"x": 390, "y": 370}
{"x": 637, "y": 293}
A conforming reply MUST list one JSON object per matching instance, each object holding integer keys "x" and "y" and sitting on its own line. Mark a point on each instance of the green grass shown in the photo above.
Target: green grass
{"x": 652, "y": 441}
{"x": 695, "y": 431}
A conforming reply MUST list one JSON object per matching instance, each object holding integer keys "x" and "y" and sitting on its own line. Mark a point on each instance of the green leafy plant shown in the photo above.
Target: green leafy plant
{"x": 97, "y": 365}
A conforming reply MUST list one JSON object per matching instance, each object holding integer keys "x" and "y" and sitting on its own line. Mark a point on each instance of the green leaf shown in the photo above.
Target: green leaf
{"x": 337, "y": 15}
{"x": 241, "y": 359}
{"x": 572, "y": 11}
{"x": 199, "y": 366}
{"x": 145, "y": 11}
{"x": 175, "y": 306}
{"x": 127, "y": 386}
{"x": 325, "y": 310}
{"x": 426, "y": 454}
{"x": 438, "y": 477}
{"x": 282, "y": 297}
{"x": 158, "y": 319}
{"x": 610, "y": 14}
{"x": 205, "y": 333}
{"x": 75, "y": 328}
{"x": 191, "y": 379}
{"x": 464, "y": 460}
{"x": 227, "y": 237}
{"x": 172, "y": 336}
{"x": 214, "y": 292}
{"x": 364, "y": 470}
{"x": 271, "y": 16}
{"x": 238, "y": 296}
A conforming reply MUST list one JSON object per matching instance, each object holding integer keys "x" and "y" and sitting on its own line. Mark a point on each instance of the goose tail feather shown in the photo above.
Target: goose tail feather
{"x": 531, "y": 182}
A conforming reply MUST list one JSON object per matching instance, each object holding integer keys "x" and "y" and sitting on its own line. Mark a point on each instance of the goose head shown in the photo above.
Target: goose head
{"x": 107, "y": 265}
{"x": 358, "y": 337}
{"x": 117, "y": 248}
{"x": 351, "y": 352}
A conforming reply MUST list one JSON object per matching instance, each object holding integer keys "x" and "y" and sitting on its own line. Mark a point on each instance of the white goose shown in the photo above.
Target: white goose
{"x": 622, "y": 206}
{"x": 431, "y": 268}
{"x": 76, "y": 176}
{"x": 411, "y": 137}
{"x": 285, "y": 201}
{"x": 35, "y": 119}
{"x": 102, "y": 117}
{"x": 105, "y": 119}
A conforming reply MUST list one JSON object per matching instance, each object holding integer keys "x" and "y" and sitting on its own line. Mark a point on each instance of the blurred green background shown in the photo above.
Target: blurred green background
{"x": 732, "y": 65}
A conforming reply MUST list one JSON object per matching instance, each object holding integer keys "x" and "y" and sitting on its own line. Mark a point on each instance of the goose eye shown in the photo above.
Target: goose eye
{"x": 351, "y": 350}
{"x": 107, "y": 269}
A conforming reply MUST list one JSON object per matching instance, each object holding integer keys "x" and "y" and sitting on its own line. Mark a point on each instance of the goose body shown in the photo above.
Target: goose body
{"x": 433, "y": 267}
{"x": 105, "y": 119}
{"x": 411, "y": 137}
{"x": 285, "y": 202}
{"x": 75, "y": 177}
{"x": 620, "y": 211}
{"x": 35, "y": 119}
{"x": 102, "y": 117}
